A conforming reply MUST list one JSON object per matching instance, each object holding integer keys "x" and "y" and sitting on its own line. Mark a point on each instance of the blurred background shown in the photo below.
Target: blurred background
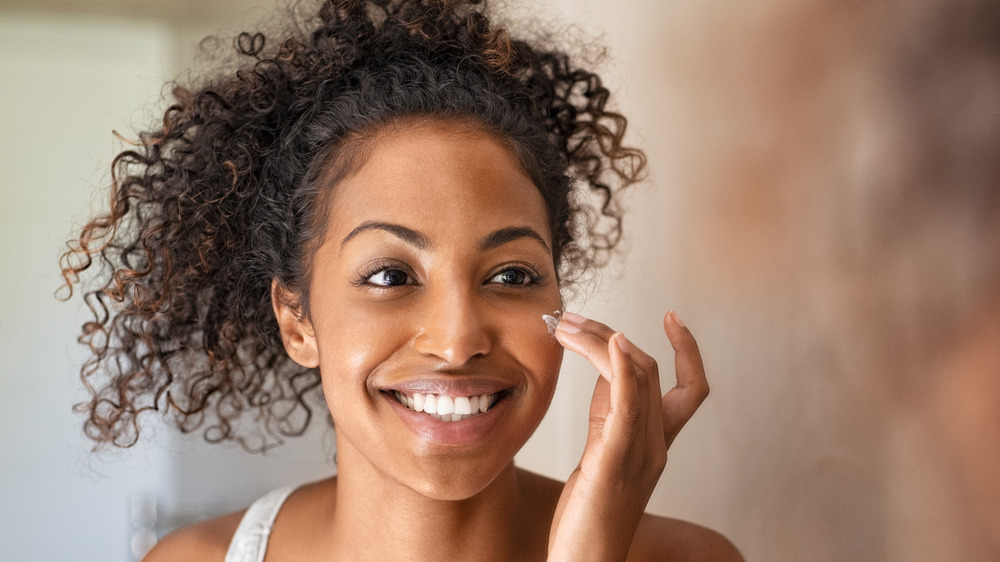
{"x": 823, "y": 209}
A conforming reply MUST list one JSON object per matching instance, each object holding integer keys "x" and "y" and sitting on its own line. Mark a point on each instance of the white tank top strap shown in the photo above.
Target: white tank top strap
{"x": 249, "y": 544}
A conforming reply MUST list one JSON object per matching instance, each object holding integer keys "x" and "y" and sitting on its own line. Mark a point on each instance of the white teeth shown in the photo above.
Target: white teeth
{"x": 430, "y": 404}
{"x": 444, "y": 407}
{"x": 462, "y": 405}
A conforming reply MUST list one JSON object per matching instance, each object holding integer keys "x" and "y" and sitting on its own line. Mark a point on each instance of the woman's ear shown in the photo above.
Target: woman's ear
{"x": 296, "y": 332}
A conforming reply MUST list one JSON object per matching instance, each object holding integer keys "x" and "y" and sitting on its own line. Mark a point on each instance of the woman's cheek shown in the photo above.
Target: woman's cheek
{"x": 353, "y": 343}
{"x": 529, "y": 340}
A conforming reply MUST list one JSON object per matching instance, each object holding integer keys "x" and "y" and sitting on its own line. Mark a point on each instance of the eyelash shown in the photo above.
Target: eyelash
{"x": 533, "y": 276}
{"x": 363, "y": 278}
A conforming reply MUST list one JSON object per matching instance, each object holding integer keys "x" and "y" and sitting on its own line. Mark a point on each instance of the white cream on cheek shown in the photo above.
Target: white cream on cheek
{"x": 551, "y": 321}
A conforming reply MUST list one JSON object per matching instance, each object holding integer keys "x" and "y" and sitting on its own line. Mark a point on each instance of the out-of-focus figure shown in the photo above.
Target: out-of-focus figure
{"x": 847, "y": 191}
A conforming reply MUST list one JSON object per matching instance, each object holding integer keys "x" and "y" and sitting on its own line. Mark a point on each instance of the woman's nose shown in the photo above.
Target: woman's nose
{"x": 454, "y": 328}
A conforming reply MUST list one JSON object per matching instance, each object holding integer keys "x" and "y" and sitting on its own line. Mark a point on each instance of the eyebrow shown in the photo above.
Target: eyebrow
{"x": 500, "y": 237}
{"x": 491, "y": 241}
{"x": 407, "y": 235}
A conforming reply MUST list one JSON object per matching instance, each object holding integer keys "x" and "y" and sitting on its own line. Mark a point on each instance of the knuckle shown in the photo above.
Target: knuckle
{"x": 650, "y": 365}
{"x": 630, "y": 416}
{"x": 703, "y": 393}
{"x": 597, "y": 422}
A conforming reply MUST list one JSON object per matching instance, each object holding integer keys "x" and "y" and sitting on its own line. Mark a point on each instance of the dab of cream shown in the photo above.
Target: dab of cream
{"x": 552, "y": 321}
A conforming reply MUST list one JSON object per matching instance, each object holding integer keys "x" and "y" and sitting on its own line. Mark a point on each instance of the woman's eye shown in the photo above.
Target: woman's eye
{"x": 389, "y": 278}
{"x": 512, "y": 277}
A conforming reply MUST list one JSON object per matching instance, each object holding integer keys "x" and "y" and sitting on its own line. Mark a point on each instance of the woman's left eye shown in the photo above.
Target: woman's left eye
{"x": 513, "y": 277}
{"x": 389, "y": 278}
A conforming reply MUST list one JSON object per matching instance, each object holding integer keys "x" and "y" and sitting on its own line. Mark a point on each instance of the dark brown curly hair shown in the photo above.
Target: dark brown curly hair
{"x": 227, "y": 194}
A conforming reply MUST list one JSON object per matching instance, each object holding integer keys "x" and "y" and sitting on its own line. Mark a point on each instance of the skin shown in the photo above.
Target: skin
{"x": 413, "y": 291}
{"x": 964, "y": 405}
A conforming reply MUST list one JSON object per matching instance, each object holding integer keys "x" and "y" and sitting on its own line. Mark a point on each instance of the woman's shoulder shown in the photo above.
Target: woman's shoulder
{"x": 663, "y": 538}
{"x": 203, "y": 541}
{"x": 208, "y": 541}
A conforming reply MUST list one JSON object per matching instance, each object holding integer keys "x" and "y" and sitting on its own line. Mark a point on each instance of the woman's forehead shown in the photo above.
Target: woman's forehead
{"x": 435, "y": 175}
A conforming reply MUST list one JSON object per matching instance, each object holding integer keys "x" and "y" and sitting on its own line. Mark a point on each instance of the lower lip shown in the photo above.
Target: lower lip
{"x": 465, "y": 432}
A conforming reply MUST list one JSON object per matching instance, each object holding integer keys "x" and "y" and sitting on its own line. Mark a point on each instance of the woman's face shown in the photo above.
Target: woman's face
{"x": 430, "y": 288}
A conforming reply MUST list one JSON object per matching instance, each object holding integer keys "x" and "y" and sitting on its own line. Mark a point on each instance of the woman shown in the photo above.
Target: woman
{"x": 385, "y": 208}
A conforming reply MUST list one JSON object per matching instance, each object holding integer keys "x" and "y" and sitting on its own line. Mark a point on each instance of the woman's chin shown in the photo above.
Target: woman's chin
{"x": 459, "y": 484}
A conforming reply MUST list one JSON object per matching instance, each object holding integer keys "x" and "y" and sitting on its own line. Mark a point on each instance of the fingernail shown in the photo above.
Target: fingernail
{"x": 566, "y": 327}
{"x": 574, "y": 318}
{"x": 622, "y": 342}
{"x": 677, "y": 319}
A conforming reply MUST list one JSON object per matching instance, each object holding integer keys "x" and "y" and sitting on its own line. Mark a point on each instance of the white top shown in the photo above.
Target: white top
{"x": 249, "y": 544}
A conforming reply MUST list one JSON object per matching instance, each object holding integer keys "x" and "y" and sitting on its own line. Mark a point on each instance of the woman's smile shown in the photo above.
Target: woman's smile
{"x": 425, "y": 308}
{"x": 435, "y": 425}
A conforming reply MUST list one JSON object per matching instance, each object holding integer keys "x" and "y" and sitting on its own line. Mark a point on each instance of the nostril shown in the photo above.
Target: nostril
{"x": 454, "y": 344}
{"x": 455, "y": 325}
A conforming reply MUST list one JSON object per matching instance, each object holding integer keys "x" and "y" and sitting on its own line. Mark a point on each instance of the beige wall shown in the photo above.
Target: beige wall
{"x": 66, "y": 81}
{"x": 62, "y": 93}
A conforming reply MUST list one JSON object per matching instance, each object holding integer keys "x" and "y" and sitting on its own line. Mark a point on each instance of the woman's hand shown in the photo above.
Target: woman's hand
{"x": 631, "y": 427}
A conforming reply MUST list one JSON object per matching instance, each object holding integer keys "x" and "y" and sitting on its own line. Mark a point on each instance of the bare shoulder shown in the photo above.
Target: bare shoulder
{"x": 205, "y": 541}
{"x": 662, "y": 538}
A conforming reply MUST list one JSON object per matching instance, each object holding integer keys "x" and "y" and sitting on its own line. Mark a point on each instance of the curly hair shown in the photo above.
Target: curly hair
{"x": 227, "y": 194}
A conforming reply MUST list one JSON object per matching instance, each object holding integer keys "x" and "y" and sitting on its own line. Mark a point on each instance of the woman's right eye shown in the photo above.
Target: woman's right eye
{"x": 389, "y": 278}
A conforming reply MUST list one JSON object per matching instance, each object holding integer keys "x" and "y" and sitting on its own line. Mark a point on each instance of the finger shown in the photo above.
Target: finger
{"x": 643, "y": 360}
{"x": 616, "y": 414}
{"x": 638, "y": 407}
{"x": 593, "y": 326}
{"x": 590, "y": 339}
{"x": 680, "y": 403}
{"x": 626, "y": 408}
{"x": 600, "y": 404}
{"x": 687, "y": 359}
